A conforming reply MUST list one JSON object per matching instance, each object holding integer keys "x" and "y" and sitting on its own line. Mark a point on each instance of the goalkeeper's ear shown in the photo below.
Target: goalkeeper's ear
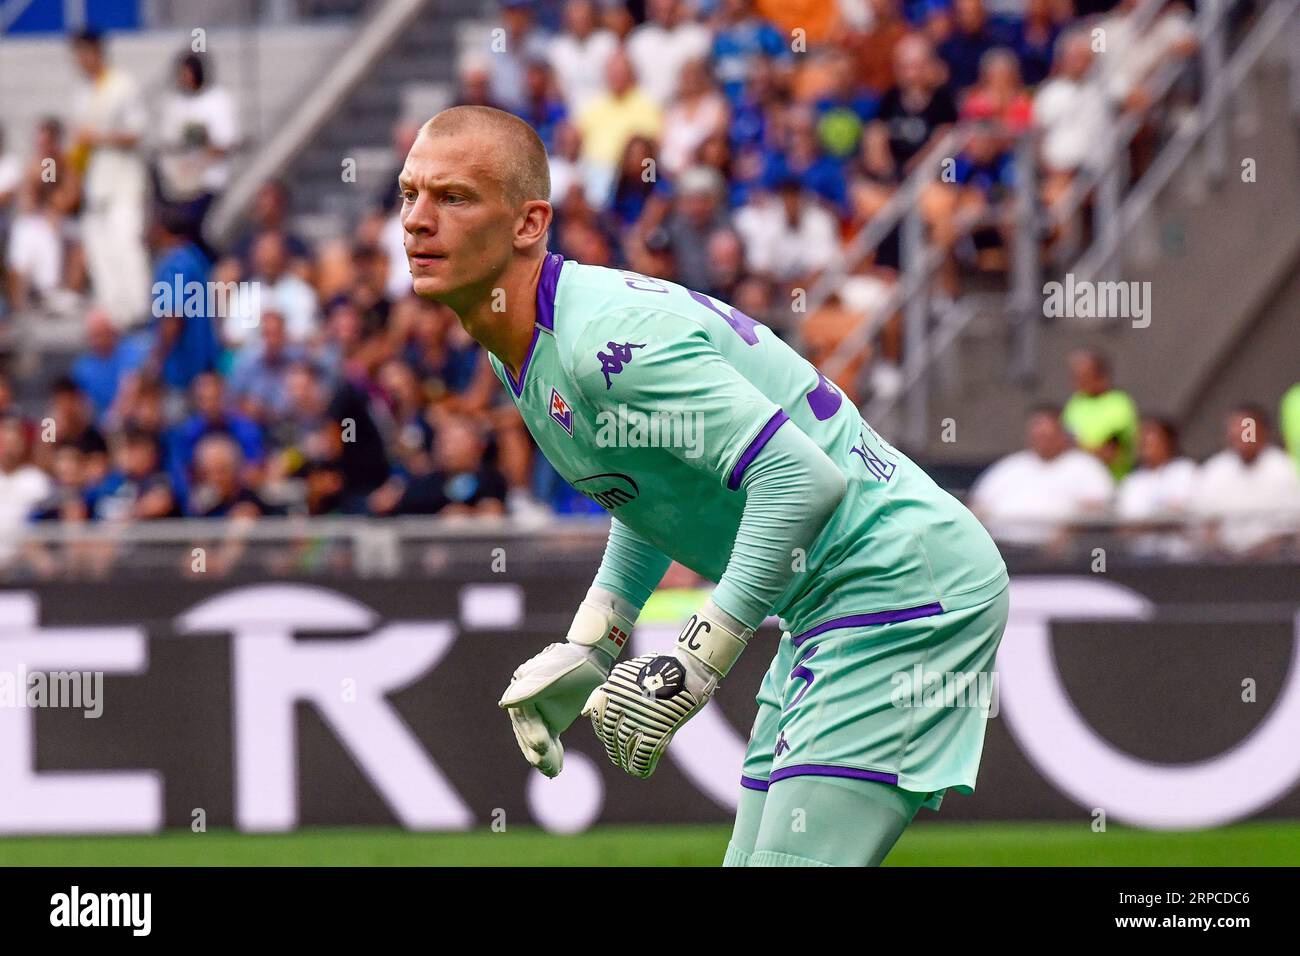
{"x": 604, "y": 622}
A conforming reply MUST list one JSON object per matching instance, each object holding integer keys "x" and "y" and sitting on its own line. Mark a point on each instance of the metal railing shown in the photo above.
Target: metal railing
{"x": 928, "y": 332}
{"x": 449, "y": 548}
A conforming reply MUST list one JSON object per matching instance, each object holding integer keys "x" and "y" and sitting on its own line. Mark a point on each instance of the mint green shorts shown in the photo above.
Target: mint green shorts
{"x": 900, "y": 697}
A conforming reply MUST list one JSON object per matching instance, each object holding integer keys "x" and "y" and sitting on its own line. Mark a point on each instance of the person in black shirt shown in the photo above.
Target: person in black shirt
{"x": 914, "y": 116}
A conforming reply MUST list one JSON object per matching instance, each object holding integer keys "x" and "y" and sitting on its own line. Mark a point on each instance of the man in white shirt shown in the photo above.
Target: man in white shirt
{"x": 663, "y": 45}
{"x": 22, "y": 485}
{"x": 788, "y": 235}
{"x": 1249, "y": 492}
{"x": 277, "y": 287}
{"x": 1164, "y": 482}
{"x": 1031, "y": 497}
{"x": 1161, "y": 489}
{"x": 1070, "y": 108}
{"x": 111, "y": 120}
{"x": 579, "y": 54}
{"x": 1132, "y": 56}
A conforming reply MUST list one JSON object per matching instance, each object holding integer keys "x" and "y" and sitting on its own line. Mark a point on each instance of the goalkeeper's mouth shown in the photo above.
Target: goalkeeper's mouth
{"x": 425, "y": 259}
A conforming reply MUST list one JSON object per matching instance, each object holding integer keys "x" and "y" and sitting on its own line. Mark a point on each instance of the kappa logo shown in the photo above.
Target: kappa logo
{"x": 617, "y": 357}
{"x": 562, "y": 411}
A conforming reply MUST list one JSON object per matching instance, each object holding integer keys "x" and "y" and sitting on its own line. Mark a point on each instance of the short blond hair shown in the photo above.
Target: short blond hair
{"x": 521, "y": 160}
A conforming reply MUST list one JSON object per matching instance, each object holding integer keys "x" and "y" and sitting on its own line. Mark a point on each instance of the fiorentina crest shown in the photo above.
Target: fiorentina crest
{"x": 561, "y": 411}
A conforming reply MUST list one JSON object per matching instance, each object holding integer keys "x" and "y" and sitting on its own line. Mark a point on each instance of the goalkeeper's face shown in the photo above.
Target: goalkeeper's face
{"x": 459, "y": 225}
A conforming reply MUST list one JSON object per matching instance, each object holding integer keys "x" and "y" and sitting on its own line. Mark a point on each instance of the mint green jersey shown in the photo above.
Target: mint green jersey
{"x": 652, "y": 400}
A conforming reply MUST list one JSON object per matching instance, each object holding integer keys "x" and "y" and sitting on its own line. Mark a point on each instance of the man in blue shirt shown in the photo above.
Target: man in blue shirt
{"x": 98, "y": 371}
{"x": 184, "y": 339}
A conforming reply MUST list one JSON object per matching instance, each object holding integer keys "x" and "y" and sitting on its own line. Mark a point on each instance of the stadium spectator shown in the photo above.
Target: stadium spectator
{"x": 474, "y": 83}
{"x": 1032, "y": 496}
{"x": 1102, "y": 419}
{"x": 197, "y": 131}
{"x": 219, "y": 489}
{"x": 579, "y": 55}
{"x": 456, "y": 481}
{"x": 1163, "y": 482}
{"x": 1289, "y": 420}
{"x": 277, "y": 287}
{"x": 843, "y": 108}
{"x": 696, "y": 112}
{"x": 662, "y": 46}
{"x": 212, "y": 416}
{"x": 802, "y": 158}
{"x": 873, "y": 48}
{"x": 257, "y": 380}
{"x": 573, "y": 174}
{"x": 726, "y": 256}
{"x": 183, "y": 339}
{"x": 1248, "y": 493}
{"x": 699, "y": 210}
{"x": 39, "y": 258}
{"x": 1071, "y": 111}
{"x": 1034, "y": 38}
{"x": 330, "y": 422}
{"x": 66, "y": 500}
{"x": 22, "y": 486}
{"x": 999, "y": 95}
{"x": 913, "y": 116}
{"x": 541, "y": 106}
{"x": 972, "y": 37}
{"x": 270, "y": 214}
{"x": 789, "y": 237}
{"x": 613, "y": 117}
{"x": 11, "y": 176}
{"x": 637, "y": 186}
{"x": 1133, "y": 55}
{"x": 742, "y": 40}
{"x": 1159, "y": 489}
{"x": 137, "y": 489}
{"x": 111, "y": 120}
{"x": 70, "y": 420}
{"x": 99, "y": 370}
{"x": 523, "y": 48}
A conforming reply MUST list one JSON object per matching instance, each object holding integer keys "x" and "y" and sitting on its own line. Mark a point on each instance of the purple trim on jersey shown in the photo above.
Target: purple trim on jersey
{"x": 761, "y": 439}
{"x": 866, "y": 620}
{"x": 824, "y": 770}
{"x": 752, "y": 783}
{"x": 546, "y": 285}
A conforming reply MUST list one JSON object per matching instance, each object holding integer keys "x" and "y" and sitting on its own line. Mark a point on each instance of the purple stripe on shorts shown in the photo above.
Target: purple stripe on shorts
{"x": 823, "y": 770}
{"x": 545, "y": 319}
{"x": 866, "y": 620}
{"x": 752, "y": 783}
{"x": 761, "y": 439}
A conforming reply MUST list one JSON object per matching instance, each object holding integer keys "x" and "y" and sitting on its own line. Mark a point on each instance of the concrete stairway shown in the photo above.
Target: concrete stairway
{"x": 1223, "y": 260}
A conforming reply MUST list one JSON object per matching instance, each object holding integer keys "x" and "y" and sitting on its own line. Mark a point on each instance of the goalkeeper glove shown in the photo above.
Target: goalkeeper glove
{"x": 547, "y": 691}
{"x": 647, "y": 699}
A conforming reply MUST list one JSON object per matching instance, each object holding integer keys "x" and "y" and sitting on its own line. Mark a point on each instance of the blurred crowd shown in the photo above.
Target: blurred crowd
{"x": 1097, "y": 462}
{"x": 734, "y": 146}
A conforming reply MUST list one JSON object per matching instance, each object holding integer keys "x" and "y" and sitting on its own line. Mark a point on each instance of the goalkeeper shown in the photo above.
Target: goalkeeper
{"x": 711, "y": 442}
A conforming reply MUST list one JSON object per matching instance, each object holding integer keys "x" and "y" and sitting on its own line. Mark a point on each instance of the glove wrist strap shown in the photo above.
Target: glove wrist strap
{"x": 714, "y": 638}
{"x": 603, "y": 622}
